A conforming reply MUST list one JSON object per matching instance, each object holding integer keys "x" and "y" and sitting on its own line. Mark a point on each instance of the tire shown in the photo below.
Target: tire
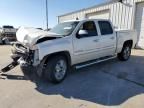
{"x": 125, "y": 53}
{"x": 27, "y": 70}
{"x": 56, "y": 69}
{"x": 3, "y": 42}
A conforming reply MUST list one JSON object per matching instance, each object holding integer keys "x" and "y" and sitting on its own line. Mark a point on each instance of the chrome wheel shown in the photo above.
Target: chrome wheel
{"x": 127, "y": 52}
{"x": 60, "y": 69}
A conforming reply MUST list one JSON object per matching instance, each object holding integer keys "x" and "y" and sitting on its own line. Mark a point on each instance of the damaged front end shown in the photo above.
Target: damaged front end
{"x": 25, "y": 51}
{"x": 20, "y": 55}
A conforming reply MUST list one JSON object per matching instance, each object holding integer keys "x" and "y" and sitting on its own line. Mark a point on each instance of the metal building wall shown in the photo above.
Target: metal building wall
{"x": 121, "y": 15}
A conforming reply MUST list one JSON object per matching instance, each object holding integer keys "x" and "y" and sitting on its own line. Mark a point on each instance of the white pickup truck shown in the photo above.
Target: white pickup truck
{"x": 74, "y": 43}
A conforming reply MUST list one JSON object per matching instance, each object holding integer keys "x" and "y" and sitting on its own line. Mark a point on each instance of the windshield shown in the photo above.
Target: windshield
{"x": 65, "y": 29}
{"x": 10, "y": 27}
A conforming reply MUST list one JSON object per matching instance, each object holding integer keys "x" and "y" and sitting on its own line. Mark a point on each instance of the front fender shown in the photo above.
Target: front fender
{"x": 54, "y": 46}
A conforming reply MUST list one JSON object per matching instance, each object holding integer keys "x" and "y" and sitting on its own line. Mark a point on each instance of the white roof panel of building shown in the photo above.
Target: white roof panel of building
{"x": 99, "y": 5}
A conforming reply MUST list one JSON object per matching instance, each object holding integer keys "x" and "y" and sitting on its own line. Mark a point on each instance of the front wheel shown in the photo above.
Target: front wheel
{"x": 56, "y": 69}
{"x": 125, "y": 53}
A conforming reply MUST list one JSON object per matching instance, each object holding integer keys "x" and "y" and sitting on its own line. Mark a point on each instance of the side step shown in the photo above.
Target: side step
{"x": 95, "y": 61}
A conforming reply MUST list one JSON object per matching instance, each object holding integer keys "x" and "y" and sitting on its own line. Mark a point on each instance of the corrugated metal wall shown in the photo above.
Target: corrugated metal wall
{"x": 121, "y": 15}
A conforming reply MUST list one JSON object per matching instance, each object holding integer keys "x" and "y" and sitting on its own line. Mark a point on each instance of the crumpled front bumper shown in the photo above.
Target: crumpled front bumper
{"x": 20, "y": 56}
{"x": 25, "y": 67}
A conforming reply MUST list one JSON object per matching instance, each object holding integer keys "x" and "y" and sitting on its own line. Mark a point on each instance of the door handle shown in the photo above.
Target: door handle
{"x": 97, "y": 40}
{"x": 112, "y": 38}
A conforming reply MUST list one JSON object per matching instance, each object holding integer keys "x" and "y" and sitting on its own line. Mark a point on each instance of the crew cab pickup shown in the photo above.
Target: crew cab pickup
{"x": 70, "y": 44}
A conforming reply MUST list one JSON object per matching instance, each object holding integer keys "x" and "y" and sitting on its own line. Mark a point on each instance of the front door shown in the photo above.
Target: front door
{"x": 86, "y": 45}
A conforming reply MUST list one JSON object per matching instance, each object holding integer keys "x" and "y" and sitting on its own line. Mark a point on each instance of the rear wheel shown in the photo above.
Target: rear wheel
{"x": 125, "y": 53}
{"x": 56, "y": 69}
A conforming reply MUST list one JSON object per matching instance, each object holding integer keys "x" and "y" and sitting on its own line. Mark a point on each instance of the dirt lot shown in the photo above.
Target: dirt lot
{"x": 109, "y": 84}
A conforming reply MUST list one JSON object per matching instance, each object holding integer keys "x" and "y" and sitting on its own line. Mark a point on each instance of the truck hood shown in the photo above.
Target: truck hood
{"x": 30, "y": 36}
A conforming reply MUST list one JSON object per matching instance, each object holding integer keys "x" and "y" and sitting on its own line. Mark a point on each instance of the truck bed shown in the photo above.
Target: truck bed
{"x": 123, "y": 35}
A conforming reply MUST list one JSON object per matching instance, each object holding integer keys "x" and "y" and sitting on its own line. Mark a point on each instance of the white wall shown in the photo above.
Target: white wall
{"x": 121, "y": 15}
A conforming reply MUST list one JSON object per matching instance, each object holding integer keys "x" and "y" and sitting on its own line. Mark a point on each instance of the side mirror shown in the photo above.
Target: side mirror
{"x": 82, "y": 33}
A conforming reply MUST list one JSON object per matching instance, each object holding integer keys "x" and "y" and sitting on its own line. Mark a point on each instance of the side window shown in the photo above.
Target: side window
{"x": 90, "y": 28}
{"x": 105, "y": 27}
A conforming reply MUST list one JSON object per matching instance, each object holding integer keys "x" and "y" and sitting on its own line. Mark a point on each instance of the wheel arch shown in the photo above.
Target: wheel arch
{"x": 130, "y": 42}
{"x": 66, "y": 54}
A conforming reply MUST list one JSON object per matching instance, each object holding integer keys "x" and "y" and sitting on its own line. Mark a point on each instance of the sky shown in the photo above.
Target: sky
{"x": 31, "y": 13}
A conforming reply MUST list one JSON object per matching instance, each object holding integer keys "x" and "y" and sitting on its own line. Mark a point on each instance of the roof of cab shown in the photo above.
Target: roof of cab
{"x": 86, "y": 20}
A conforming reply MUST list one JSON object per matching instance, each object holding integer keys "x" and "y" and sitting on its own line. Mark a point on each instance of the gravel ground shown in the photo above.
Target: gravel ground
{"x": 111, "y": 84}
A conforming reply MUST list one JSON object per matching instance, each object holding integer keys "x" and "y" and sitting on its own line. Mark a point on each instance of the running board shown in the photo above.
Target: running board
{"x": 95, "y": 62}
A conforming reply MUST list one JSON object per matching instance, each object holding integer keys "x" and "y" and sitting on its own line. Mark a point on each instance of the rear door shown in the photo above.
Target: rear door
{"x": 107, "y": 38}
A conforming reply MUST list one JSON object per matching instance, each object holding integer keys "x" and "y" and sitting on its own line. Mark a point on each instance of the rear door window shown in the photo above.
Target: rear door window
{"x": 105, "y": 27}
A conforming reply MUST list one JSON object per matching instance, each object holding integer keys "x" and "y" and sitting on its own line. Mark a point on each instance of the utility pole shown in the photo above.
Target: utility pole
{"x": 47, "y": 14}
